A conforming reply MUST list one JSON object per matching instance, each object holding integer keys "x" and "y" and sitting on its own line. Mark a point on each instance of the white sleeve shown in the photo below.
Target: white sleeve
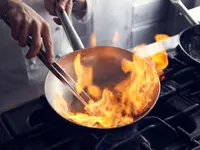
{"x": 88, "y": 12}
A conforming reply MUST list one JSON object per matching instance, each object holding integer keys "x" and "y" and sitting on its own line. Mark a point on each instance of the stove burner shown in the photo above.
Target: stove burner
{"x": 154, "y": 128}
{"x": 5, "y": 136}
{"x": 113, "y": 137}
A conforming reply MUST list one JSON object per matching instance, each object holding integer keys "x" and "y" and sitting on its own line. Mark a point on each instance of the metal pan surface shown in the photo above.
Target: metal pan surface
{"x": 107, "y": 71}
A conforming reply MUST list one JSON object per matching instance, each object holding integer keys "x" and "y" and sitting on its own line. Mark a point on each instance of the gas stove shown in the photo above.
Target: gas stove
{"x": 174, "y": 123}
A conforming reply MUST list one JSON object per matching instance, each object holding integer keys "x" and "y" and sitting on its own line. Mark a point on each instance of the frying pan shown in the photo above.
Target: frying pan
{"x": 107, "y": 71}
{"x": 189, "y": 39}
{"x": 106, "y": 64}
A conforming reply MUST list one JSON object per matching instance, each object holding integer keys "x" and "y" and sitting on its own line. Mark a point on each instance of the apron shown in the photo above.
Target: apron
{"x": 22, "y": 79}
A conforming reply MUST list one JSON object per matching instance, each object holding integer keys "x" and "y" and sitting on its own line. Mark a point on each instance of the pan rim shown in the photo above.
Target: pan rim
{"x": 110, "y": 128}
{"x": 181, "y": 46}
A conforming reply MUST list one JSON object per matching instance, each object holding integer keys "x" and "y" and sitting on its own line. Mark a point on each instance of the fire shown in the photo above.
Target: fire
{"x": 115, "y": 37}
{"x": 93, "y": 41}
{"x": 127, "y": 101}
{"x": 85, "y": 75}
{"x": 158, "y": 60}
{"x": 141, "y": 83}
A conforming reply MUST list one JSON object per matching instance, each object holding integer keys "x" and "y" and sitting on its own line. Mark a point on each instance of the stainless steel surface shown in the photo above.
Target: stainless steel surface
{"x": 184, "y": 11}
{"x": 148, "y": 19}
{"x": 106, "y": 64}
{"x": 148, "y": 12}
{"x": 69, "y": 30}
{"x": 154, "y": 48}
{"x": 112, "y": 16}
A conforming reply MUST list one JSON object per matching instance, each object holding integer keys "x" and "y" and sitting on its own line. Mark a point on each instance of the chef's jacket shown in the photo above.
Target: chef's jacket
{"x": 22, "y": 79}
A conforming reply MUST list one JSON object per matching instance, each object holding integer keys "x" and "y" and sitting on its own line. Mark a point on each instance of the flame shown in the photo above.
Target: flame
{"x": 93, "y": 41}
{"x": 127, "y": 101}
{"x": 158, "y": 60}
{"x": 94, "y": 91}
{"x": 84, "y": 74}
{"x": 141, "y": 83}
{"x": 115, "y": 38}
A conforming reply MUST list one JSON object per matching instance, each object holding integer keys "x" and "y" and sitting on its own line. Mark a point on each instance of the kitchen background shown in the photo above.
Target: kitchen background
{"x": 135, "y": 21}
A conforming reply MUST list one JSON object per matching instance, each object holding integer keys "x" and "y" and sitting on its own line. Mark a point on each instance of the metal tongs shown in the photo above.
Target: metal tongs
{"x": 55, "y": 68}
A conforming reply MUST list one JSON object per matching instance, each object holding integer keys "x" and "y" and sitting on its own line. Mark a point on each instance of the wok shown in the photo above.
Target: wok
{"x": 189, "y": 39}
{"x": 107, "y": 71}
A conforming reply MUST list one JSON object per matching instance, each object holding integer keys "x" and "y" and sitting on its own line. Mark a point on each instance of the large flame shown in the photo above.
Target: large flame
{"x": 85, "y": 75}
{"x": 93, "y": 39}
{"x": 159, "y": 59}
{"x": 127, "y": 101}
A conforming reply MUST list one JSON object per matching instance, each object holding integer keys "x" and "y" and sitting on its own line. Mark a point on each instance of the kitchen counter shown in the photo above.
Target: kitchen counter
{"x": 35, "y": 91}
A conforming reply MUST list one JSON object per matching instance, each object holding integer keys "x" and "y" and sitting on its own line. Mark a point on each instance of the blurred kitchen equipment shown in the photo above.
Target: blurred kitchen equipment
{"x": 189, "y": 39}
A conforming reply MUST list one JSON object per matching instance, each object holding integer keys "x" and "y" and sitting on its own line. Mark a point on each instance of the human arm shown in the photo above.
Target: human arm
{"x": 26, "y": 22}
{"x": 80, "y": 9}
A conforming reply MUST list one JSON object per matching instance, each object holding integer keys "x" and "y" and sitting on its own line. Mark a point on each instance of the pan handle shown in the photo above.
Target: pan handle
{"x": 184, "y": 11}
{"x": 69, "y": 30}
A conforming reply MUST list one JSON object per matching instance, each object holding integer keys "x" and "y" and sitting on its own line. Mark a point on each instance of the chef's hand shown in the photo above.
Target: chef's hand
{"x": 64, "y": 5}
{"x": 24, "y": 22}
